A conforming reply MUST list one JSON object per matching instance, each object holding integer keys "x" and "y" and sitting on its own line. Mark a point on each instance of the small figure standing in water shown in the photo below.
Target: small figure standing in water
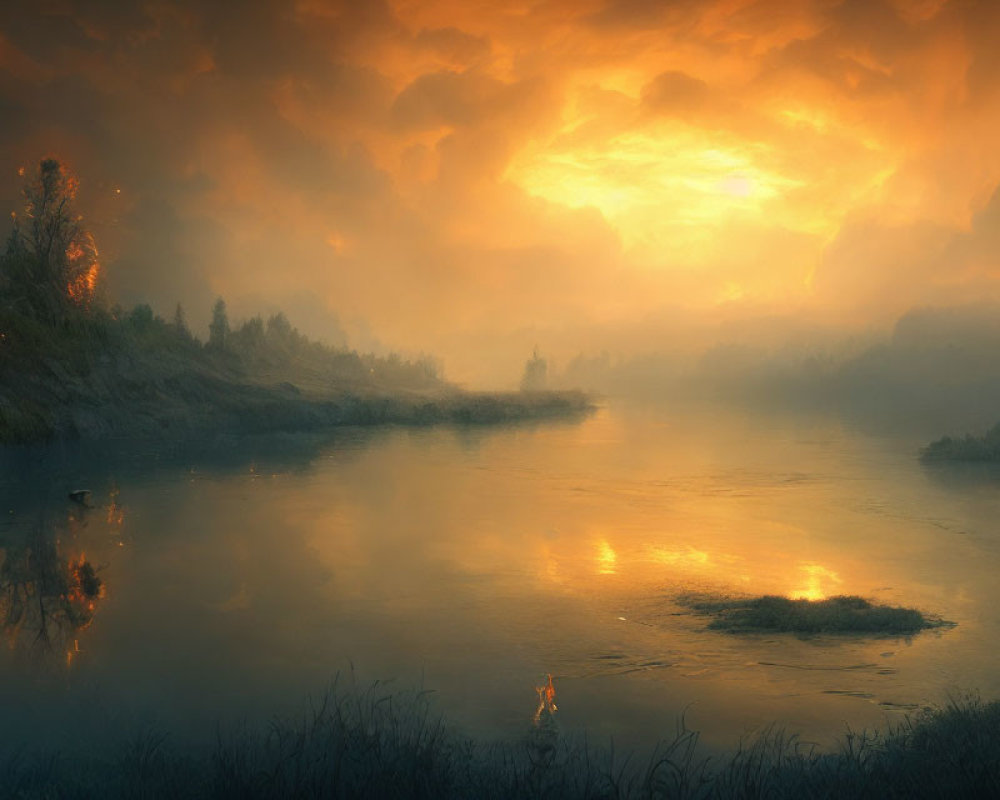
{"x": 543, "y": 737}
{"x": 546, "y": 699}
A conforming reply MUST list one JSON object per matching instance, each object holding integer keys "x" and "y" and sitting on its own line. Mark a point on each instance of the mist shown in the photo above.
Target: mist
{"x": 934, "y": 369}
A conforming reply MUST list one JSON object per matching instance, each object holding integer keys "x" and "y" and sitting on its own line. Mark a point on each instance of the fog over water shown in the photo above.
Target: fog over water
{"x": 242, "y": 576}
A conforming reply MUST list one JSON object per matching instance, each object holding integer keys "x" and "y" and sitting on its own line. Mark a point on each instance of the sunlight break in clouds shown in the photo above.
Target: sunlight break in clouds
{"x": 661, "y": 194}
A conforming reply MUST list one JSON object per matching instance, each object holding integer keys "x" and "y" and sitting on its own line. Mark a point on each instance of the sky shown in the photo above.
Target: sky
{"x": 471, "y": 179}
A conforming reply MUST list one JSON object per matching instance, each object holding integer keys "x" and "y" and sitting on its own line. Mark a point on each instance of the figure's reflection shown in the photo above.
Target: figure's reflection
{"x": 48, "y": 593}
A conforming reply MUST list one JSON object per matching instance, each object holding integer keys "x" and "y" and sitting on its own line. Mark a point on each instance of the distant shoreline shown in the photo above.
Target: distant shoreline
{"x": 969, "y": 448}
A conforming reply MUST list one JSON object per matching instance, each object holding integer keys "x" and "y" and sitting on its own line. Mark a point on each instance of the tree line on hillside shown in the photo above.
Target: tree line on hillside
{"x": 51, "y": 307}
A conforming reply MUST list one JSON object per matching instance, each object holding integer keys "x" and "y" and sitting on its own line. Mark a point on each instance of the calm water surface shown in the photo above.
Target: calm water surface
{"x": 241, "y": 578}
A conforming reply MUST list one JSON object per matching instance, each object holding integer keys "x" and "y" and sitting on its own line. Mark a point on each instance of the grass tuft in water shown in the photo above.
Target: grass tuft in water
{"x": 840, "y": 614}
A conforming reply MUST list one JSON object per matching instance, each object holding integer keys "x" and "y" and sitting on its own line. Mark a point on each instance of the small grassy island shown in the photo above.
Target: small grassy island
{"x": 841, "y": 614}
{"x": 966, "y": 448}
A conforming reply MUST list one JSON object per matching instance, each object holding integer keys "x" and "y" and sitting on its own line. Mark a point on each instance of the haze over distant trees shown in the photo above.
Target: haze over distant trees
{"x": 536, "y": 372}
{"x": 72, "y": 366}
{"x": 218, "y": 329}
{"x": 50, "y": 306}
{"x": 937, "y": 368}
{"x": 59, "y": 339}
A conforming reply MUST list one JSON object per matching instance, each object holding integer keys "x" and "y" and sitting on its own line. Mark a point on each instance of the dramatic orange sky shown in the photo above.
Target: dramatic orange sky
{"x": 472, "y": 178}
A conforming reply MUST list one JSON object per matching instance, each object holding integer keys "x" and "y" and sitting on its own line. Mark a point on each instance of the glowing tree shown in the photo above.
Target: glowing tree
{"x": 50, "y": 266}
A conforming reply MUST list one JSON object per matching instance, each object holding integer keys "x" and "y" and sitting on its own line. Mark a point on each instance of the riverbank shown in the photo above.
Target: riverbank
{"x": 136, "y": 376}
{"x": 376, "y": 743}
{"x": 186, "y": 405}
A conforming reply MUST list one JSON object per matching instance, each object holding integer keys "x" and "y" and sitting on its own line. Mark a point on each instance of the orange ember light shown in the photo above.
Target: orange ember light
{"x": 81, "y": 289}
{"x": 116, "y": 514}
{"x": 87, "y": 587}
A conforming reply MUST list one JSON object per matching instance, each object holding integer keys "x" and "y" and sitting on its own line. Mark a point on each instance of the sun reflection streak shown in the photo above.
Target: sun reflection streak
{"x": 607, "y": 559}
{"x": 816, "y": 576}
{"x": 688, "y": 557}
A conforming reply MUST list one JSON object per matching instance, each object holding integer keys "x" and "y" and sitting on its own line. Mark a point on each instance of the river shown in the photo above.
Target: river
{"x": 240, "y": 577}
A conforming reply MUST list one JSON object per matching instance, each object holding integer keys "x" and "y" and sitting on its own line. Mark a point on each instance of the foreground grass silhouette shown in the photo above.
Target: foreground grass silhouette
{"x": 378, "y": 743}
{"x": 840, "y": 614}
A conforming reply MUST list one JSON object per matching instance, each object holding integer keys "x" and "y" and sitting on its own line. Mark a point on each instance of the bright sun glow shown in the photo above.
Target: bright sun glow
{"x": 655, "y": 190}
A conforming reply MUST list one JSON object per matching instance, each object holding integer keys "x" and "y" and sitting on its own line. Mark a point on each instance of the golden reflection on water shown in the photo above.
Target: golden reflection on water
{"x": 820, "y": 583}
{"x": 686, "y": 557}
{"x": 564, "y": 548}
{"x": 607, "y": 559}
{"x": 688, "y": 511}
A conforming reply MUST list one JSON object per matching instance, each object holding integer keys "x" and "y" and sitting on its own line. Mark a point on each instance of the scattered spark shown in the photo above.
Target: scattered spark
{"x": 116, "y": 514}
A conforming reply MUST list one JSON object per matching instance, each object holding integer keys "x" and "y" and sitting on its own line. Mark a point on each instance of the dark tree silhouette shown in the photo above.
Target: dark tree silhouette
{"x": 218, "y": 329}
{"x": 180, "y": 322}
{"x": 535, "y": 375}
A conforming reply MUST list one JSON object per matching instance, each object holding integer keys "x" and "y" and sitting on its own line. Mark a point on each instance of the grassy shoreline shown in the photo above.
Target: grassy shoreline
{"x": 374, "y": 742}
{"x": 99, "y": 376}
{"x": 258, "y": 410}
